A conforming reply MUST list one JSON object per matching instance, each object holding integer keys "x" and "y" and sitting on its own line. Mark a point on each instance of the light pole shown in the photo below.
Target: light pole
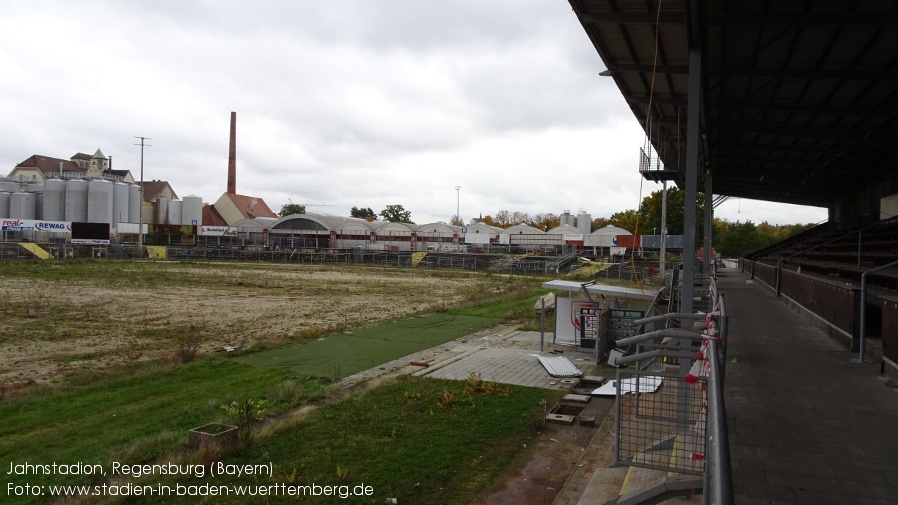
{"x": 457, "y": 203}
{"x": 140, "y": 207}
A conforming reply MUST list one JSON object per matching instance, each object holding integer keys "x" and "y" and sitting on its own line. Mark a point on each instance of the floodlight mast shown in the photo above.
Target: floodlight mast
{"x": 140, "y": 207}
{"x": 458, "y": 203}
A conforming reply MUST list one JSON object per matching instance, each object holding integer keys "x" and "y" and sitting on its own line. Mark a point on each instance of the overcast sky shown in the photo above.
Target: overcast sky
{"x": 339, "y": 103}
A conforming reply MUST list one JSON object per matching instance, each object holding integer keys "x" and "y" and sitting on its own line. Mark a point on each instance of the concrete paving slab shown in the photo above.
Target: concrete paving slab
{"x": 800, "y": 413}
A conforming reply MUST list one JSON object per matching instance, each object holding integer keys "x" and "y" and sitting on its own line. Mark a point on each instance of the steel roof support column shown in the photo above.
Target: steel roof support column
{"x": 692, "y": 142}
{"x": 709, "y": 221}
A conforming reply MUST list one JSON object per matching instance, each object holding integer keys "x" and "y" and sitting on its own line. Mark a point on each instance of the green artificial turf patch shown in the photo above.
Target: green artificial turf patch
{"x": 344, "y": 354}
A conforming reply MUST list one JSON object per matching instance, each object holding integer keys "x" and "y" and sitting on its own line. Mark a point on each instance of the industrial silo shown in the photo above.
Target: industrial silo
{"x": 99, "y": 201}
{"x": 133, "y": 203}
{"x": 39, "y": 206}
{"x": 584, "y": 222}
{"x": 120, "y": 207}
{"x": 33, "y": 187}
{"x": 10, "y": 186}
{"x": 54, "y": 200}
{"x": 174, "y": 212}
{"x": 566, "y": 218}
{"x": 76, "y": 200}
{"x": 4, "y": 203}
{"x": 161, "y": 210}
{"x": 192, "y": 210}
{"x": 22, "y": 206}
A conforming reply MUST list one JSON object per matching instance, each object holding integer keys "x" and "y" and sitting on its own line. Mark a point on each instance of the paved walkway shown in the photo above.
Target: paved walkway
{"x": 499, "y": 354}
{"x": 806, "y": 424}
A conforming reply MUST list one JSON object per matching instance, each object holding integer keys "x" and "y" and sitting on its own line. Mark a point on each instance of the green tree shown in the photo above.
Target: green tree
{"x": 625, "y": 219}
{"x": 456, "y": 221}
{"x": 737, "y": 239}
{"x": 292, "y": 208}
{"x": 650, "y": 213}
{"x": 396, "y": 214}
{"x": 363, "y": 213}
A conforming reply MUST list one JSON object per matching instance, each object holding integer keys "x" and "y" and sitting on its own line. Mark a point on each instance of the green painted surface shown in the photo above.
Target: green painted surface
{"x": 344, "y": 354}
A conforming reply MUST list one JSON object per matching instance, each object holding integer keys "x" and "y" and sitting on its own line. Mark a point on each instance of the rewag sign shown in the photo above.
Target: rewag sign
{"x": 33, "y": 225}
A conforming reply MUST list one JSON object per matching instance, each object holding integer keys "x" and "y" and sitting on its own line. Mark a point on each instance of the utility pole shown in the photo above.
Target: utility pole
{"x": 140, "y": 211}
{"x": 458, "y": 203}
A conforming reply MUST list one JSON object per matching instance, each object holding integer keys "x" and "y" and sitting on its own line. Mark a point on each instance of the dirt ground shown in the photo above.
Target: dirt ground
{"x": 120, "y": 312}
{"x": 558, "y": 451}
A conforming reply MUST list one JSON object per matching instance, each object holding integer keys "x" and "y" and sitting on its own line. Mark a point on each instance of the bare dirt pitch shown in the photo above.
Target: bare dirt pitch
{"x": 63, "y": 317}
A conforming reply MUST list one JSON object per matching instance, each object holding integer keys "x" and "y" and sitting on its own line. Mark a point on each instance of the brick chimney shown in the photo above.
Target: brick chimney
{"x": 232, "y": 157}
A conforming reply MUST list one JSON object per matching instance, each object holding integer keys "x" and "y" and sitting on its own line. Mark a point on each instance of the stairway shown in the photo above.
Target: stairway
{"x": 36, "y": 250}
{"x": 634, "y": 485}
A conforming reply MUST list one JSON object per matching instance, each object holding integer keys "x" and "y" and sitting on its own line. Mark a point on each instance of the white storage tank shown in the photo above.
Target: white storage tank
{"x": 76, "y": 200}
{"x": 22, "y": 206}
{"x": 133, "y": 203}
{"x": 54, "y": 200}
{"x": 4, "y": 203}
{"x": 120, "y": 207}
{"x": 161, "y": 210}
{"x": 192, "y": 210}
{"x": 584, "y": 223}
{"x": 99, "y": 201}
{"x": 10, "y": 186}
{"x": 174, "y": 212}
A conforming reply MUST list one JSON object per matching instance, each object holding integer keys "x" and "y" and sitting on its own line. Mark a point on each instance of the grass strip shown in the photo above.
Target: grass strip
{"x": 404, "y": 439}
{"x": 132, "y": 419}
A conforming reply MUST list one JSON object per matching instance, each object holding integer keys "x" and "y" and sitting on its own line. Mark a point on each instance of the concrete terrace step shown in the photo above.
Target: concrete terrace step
{"x": 644, "y": 484}
{"x": 637, "y": 484}
{"x": 604, "y": 487}
{"x": 36, "y": 250}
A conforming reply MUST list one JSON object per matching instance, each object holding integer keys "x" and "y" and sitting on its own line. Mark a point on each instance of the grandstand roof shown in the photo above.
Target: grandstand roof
{"x": 799, "y": 100}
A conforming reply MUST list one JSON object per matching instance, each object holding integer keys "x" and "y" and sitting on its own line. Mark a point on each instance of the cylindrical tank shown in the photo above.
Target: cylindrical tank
{"x": 4, "y": 203}
{"x": 161, "y": 210}
{"x": 76, "y": 200}
{"x": 22, "y": 206}
{"x": 54, "y": 200}
{"x": 120, "y": 207}
{"x": 33, "y": 187}
{"x": 10, "y": 186}
{"x": 99, "y": 201}
{"x": 192, "y": 210}
{"x": 133, "y": 203}
{"x": 584, "y": 223}
{"x": 566, "y": 218}
{"x": 174, "y": 212}
{"x": 38, "y": 206}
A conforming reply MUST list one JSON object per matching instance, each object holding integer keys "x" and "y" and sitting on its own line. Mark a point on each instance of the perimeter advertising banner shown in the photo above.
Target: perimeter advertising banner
{"x": 218, "y": 231}
{"x": 33, "y": 225}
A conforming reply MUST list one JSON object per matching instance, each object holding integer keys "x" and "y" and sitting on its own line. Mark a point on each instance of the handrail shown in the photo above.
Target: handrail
{"x": 779, "y": 275}
{"x": 718, "y": 444}
{"x": 659, "y": 353}
{"x": 665, "y": 317}
{"x": 666, "y": 332}
{"x": 863, "y": 316}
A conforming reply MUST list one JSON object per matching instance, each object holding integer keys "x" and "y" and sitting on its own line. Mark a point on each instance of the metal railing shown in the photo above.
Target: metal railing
{"x": 671, "y": 414}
